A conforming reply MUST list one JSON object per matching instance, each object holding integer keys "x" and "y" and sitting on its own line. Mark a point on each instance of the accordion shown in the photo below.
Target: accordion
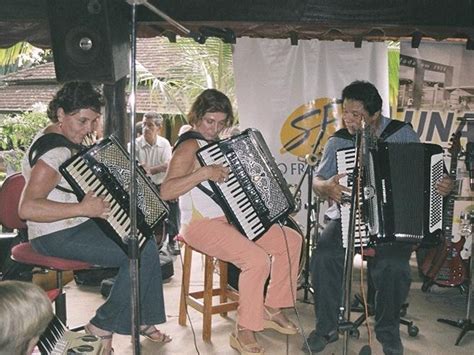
{"x": 58, "y": 340}
{"x": 256, "y": 195}
{"x": 398, "y": 200}
{"x": 104, "y": 168}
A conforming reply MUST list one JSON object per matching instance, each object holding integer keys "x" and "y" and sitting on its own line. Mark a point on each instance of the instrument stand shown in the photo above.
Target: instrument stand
{"x": 465, "y": 324}
{"x": 310, "y": 223}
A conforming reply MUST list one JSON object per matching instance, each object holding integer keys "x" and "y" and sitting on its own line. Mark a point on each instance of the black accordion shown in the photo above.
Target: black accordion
{"x": 398, "y": 200}
{"x": 256, "y": 194}
{"x": 104, "y": 168}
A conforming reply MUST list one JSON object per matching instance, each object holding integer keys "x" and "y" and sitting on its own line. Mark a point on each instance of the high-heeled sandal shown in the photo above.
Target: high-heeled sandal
{"x": 104, "y": 337}
{"x": 244, "y": 349}
{"x": 149, "y": 330}
{"x": 289, "y": 328}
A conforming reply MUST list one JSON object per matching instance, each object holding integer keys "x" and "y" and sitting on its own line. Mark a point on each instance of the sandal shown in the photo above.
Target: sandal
{"x": 244, "y": 349}
{"x": 104, "y": 339}
{"x": 148, "y": 331}
{"x": 283, "y": 326}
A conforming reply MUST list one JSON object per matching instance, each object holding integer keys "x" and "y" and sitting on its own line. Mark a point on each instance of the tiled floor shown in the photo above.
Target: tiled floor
{"x": 424, "y": 310}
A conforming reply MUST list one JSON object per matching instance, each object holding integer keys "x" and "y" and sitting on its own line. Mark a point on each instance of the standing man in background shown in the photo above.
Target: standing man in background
{"x": 153, "y": 153}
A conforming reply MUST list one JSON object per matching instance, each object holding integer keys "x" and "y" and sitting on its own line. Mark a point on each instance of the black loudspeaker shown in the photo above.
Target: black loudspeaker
{"x": 90, "y": 39}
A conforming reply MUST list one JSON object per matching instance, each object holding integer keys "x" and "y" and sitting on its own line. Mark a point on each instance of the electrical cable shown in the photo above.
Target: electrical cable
{"x": 186, "y": 292}
{"x": 293, "y": 296}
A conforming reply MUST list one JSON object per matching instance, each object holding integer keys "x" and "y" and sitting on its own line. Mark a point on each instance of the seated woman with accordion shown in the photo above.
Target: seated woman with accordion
{"x": 59, "y": 225}
{"x": 205, "y": 227}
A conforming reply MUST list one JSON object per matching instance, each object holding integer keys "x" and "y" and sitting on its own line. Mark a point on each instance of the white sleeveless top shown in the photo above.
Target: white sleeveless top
{"x": 53, "y": 158}
{"x": 196, "y": 204}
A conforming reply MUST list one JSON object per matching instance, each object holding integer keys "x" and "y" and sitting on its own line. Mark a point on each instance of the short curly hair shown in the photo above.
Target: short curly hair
{"x": 211, "y": 100}
{"x": 72, "y": 97}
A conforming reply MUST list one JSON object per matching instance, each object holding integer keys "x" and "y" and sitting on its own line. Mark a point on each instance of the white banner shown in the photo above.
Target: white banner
{"x": 436, "y": 95}
{"x": 287, "y": 92}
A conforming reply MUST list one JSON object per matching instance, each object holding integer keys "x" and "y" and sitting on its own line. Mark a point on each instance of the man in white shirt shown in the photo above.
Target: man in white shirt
{"x": 153, "y": 153}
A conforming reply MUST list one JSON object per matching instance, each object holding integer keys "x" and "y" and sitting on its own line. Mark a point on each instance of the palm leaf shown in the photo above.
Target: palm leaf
{"x": 201, "y": 66}
{"x": 9, "y": 57}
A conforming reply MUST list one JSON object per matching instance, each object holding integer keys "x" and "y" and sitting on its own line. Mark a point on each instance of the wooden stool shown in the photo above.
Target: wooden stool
{"x": 202, "y": 300}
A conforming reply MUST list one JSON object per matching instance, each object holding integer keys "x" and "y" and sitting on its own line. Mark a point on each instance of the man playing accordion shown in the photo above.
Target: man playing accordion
{"x": 391, "y": 271}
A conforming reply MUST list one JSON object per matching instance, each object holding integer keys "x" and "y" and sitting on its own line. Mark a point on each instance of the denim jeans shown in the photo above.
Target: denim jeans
{"x": 86, "y": 242}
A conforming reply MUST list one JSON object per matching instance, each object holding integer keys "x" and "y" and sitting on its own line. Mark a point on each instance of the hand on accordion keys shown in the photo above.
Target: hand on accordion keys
{"x": 95, "y": 206}
{"x": 217, "y": 173}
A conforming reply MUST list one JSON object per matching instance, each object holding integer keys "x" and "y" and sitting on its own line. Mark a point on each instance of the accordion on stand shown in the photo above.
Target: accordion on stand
{"x": 398, "y": 197}
{"x": 256, "y": 194}
{"x": 104, "y": 168}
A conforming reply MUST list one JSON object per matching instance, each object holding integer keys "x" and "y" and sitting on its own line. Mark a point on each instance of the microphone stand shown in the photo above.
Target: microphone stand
{"x": 313, "y": 210}
{"x": 133, "y": 250}
{"x": 344, "y": 323}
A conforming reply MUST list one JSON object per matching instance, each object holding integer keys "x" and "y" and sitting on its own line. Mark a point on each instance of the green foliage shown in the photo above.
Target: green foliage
{"x": 17, "y": 132}
{"x": 20, "y": 56}
{"x": 393, "y": 75}
{"x": 200, "y": 67}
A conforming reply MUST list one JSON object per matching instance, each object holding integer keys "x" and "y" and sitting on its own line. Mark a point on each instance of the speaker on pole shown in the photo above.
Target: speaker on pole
{"x": 90, "y": 39}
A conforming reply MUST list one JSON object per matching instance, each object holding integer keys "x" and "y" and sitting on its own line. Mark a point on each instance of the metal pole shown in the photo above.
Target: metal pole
{"x": 344, "y": 323}
{"x": 133, "y": 252}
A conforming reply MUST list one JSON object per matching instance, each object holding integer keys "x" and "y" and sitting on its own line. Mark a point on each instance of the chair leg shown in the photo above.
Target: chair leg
{"x": 186, "y": 279}
{"x": 223, "y": 284}
{"x": 207, "y": 298}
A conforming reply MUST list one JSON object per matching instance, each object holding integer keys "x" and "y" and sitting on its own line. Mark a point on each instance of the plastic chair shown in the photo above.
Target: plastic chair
{"x": 10, "y": 193}
{"x": 23, "y": 253}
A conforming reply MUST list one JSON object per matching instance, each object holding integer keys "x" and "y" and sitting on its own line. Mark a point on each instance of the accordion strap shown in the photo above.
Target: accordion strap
{"x": 189, "y": 135}
{"x": 202, "y": 142}
{"x": 209, "y": 193}
{"x": 48, "y": 142}
{"x": 392, "y": 127}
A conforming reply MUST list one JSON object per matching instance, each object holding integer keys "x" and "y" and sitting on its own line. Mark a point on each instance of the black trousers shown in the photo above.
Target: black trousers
{"x": 390, "y": 272}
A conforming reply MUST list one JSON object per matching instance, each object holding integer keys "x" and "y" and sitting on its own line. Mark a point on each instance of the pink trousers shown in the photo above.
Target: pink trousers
{"x": 257, "y": 261}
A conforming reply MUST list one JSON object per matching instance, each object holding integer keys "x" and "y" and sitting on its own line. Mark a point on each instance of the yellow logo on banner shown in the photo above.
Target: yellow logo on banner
{"x": 301, "y": 129}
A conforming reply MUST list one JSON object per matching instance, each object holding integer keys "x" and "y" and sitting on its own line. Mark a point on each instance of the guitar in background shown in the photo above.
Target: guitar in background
{"x": 443, "y": 264}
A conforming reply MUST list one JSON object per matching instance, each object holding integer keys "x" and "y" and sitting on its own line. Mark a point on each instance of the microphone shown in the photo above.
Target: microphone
{"x": 470, "y": 163}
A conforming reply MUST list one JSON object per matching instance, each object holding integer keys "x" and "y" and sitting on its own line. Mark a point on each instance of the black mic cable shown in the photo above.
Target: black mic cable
{"x": 303, "y": 333}
{"x": 186, "y": 292}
